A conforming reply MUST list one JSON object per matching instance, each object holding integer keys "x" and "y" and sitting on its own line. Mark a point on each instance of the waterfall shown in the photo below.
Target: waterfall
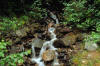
{"x": 46, "y": 44}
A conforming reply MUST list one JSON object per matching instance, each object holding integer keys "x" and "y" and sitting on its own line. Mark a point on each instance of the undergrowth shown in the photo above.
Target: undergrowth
{"x": 11, "y": 59}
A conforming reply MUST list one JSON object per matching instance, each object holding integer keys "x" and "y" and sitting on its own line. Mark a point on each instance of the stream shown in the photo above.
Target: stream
{"x": 47, "y": 44}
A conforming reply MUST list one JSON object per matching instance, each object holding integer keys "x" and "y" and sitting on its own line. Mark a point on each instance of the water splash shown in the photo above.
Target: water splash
{"x": 33, "y": 51}
{"x": 38, "y": 61}
{"x": 56, "y": 63}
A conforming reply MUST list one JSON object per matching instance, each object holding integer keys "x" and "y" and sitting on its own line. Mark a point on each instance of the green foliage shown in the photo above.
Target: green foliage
{"x": 3, "y": 48}
{"x": 78, "y": 14}
{"x": 32, "y": 8}
{"x": 73, "y": 11}
{"x": 12, "y": 59}
{"x": 98, "y": 27}
{"x": 14, "y": 7}
{"x": 37, "y": 12}
{"x": 93, "y": 37}
{"x": 81, "y": 14}
{"x": 11, "y": 24}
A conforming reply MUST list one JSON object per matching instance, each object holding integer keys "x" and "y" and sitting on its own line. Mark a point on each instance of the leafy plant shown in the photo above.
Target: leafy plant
{"x": 98, "y": 27}
{"x": 95, "y": 36}
{"x": 3, "y": 48}
{"x": 12, "y": 24}
{"x": 37, "y": 12}
{"x": 91, "y": 41}
{"x": 92, "y": 37}
{"x": 78, "y": 14}
{"x": 12, "y": 59}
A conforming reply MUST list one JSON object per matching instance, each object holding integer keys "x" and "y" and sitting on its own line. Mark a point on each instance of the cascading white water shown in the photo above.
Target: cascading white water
{"x": 54, "y": 17}
{"x": 45, "y": 46}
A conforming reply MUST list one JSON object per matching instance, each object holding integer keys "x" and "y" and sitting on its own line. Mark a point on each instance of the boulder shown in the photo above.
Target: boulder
{"x": 69, "y": 39}
{"x": 36, "y": 42}
{"x": 59, "y": 44}
{"x": 91, "y": 46}
{"x": 48, "y": 55}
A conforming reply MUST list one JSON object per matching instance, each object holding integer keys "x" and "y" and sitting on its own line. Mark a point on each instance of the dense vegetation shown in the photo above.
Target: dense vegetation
{"x": 84, "y": 15}
{"x": 14, "y": 14}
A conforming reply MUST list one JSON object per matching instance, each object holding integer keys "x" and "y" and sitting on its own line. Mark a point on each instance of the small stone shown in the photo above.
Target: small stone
{"x": 84, "y": 61}
{"x": 48, "y": 55}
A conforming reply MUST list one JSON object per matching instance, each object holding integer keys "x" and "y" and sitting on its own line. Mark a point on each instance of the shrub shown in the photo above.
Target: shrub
{"x": 81, "y": 14}
{"x": 3, "y": 48}
{"x": 12, "y": 24}
{"x": 84, "y": 15}
{"x": 37, "y": 12}
{"x": 91, "y": 41}
{"x": 12, "y": 59}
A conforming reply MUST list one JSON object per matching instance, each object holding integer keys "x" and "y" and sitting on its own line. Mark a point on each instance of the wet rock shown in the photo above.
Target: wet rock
{"x": 63, "y": 56}
{"x": 59, "y": 44}
{"x": 22, "y": 32}
{"x": 48, "y": 63}
{"x": 38, "y": 43}
{"x": 16, "y": 48}
{"x": 64, "y": 30}
{"x": 48, "y": 55}
{"x": 27, "y": 29}
{"x": 36, "y": 65}
{"x": 69, "y": 39}
{"x": 61, "y": 31}
{"x": 81, "y": 36}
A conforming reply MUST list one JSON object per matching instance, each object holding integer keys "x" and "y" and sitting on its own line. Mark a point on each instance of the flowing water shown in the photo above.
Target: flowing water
{"x": 54, "y": 17}
{"x": 47, "y": 44}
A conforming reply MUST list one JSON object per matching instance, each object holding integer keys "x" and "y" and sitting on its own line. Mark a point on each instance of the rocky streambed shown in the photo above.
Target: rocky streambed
{"x": 67, "y": 41}
{"x": 69, "y": 44}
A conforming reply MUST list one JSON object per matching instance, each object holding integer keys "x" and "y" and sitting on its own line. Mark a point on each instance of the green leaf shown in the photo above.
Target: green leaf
{"x": 20, "y": 61}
